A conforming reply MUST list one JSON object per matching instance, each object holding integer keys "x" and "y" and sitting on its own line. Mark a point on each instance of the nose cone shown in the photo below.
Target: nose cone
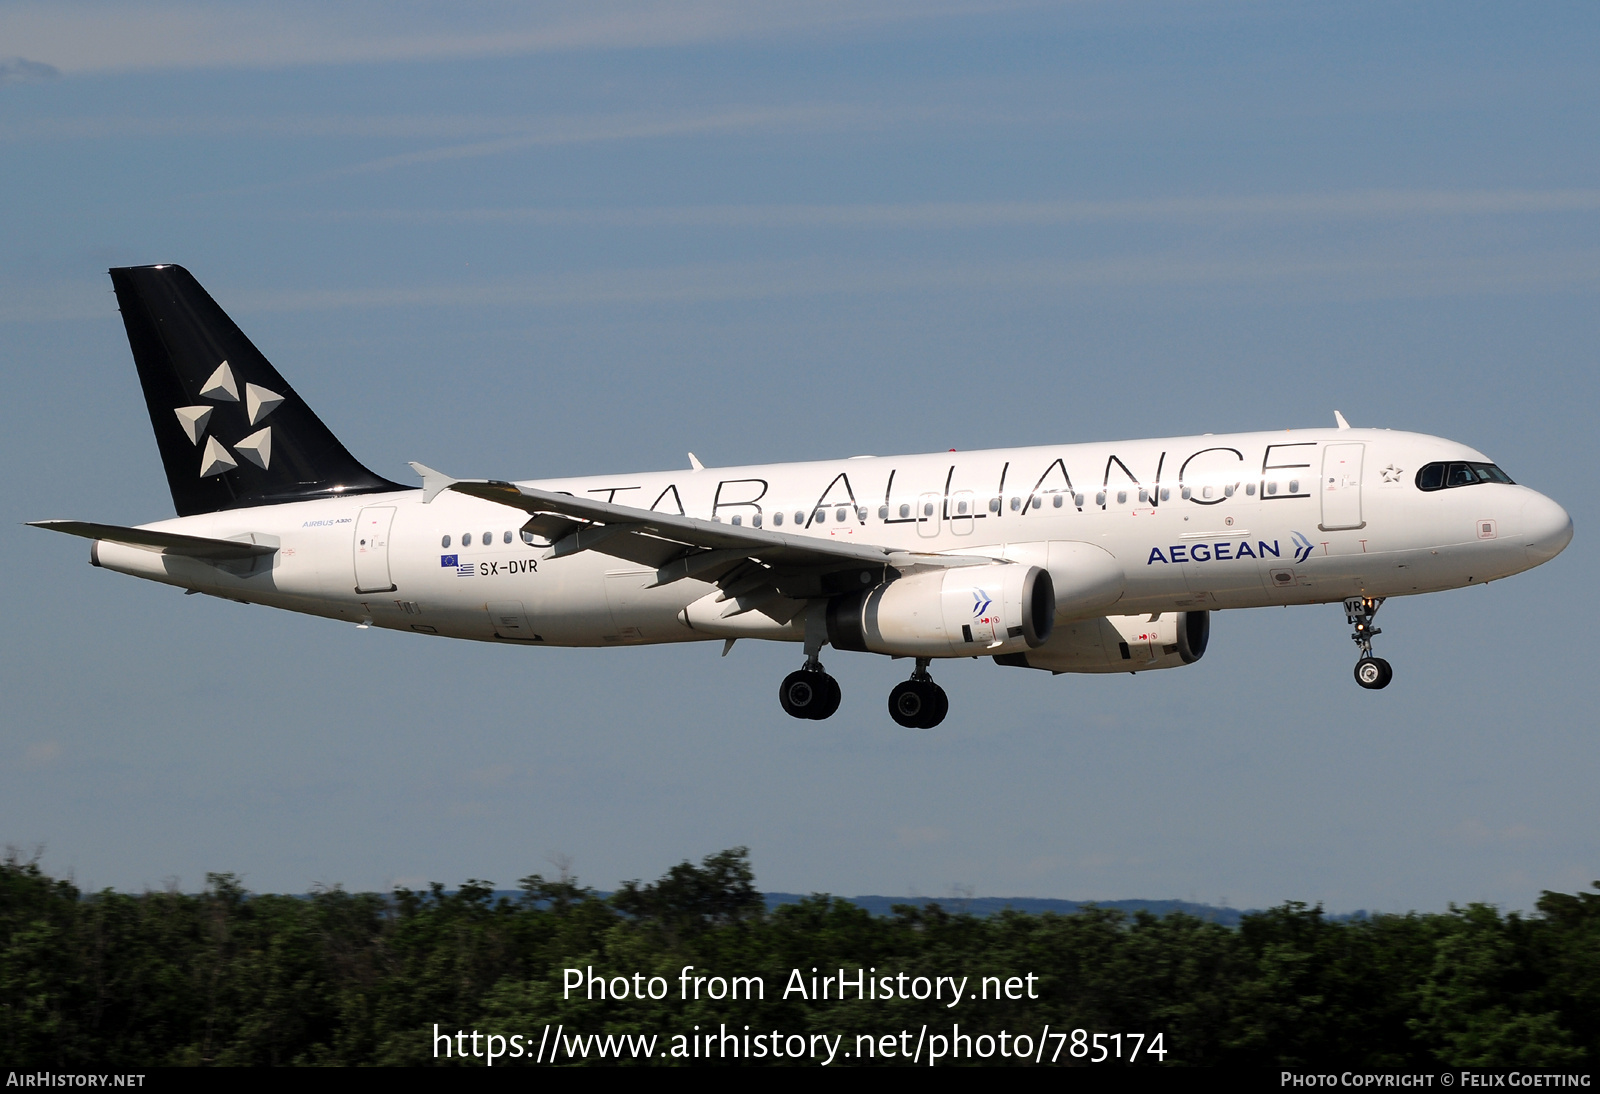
{"x": 1546, "y": 529}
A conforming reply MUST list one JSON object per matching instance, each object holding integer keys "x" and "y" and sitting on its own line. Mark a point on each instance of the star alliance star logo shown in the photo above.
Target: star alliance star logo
{"x": 1392, "y": 473}
{"x": 258, "y": 402}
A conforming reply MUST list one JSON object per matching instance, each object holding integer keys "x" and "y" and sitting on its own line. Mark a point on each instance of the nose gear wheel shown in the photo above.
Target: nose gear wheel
{"x": 1372, "y": 673}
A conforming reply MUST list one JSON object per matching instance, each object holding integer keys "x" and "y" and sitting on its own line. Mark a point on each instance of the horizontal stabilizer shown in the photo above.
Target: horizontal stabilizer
{"x": 214, "y": 550}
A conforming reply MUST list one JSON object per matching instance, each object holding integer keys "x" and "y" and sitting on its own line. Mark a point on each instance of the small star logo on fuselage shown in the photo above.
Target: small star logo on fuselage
{"x": 1392, "y": 473}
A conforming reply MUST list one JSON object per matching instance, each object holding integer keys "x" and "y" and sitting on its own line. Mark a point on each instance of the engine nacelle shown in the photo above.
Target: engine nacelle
{"x": 1120, "y": 643}
{"x": 964, "y": 611}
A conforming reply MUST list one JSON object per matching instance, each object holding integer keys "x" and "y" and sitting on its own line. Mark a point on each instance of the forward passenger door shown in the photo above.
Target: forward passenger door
{"x": 1341, "y": 486}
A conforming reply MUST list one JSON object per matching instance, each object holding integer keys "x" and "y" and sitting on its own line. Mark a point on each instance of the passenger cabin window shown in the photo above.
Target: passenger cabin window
{"x": 905, "y": 511}
{"x": 1122, "y": 497}
{"x": 1443, "y": 476}
{"x": 466, "y": 540}
{"x": 445, "y": 542}
{"x": 506, "y": 538}
{"x": 799, "y": 518}
{"x": 777, "y": 520}
{"x": 1056, "y": 501}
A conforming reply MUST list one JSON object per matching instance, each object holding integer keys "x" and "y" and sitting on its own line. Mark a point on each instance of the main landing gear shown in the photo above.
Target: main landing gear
{"x": 1372, "y": 672}
{"x": 918, "y": 703}
{"x": 809, "y": 692}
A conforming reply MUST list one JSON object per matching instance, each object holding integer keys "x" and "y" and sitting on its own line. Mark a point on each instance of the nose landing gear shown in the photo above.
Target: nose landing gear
{"x": 1372, "y": 673}
{"x": 809, "y": 692}
{"x": 918, "y": 703}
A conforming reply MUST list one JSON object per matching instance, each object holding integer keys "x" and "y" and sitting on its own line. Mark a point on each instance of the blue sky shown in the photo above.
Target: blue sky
{"x": 519, "y": 241}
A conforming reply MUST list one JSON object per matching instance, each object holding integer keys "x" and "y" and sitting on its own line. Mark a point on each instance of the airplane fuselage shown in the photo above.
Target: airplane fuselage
{"x": 1193, "y": 523}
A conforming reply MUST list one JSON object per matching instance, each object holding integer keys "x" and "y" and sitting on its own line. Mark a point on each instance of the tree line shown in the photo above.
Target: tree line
{"x": 227, "y": 977}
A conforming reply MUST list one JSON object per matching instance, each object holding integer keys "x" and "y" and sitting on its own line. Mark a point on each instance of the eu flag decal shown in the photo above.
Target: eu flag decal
{"x": 447, "y": 560}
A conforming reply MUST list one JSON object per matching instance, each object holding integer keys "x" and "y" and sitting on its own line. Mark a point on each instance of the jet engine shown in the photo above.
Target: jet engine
{"x": 964, "y": 611}
{"x": 1120, "y": 643}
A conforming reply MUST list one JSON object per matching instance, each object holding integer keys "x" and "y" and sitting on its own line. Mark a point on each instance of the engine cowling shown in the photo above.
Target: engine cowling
{"x": 965, "y": 611}
{"x": 1120, "y": 643}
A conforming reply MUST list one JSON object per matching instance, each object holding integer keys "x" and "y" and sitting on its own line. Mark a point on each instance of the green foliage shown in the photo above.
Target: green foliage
{"x": 229, "y": 977}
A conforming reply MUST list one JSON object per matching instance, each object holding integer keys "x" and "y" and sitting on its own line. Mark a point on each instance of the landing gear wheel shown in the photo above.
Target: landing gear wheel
{"x": 908, "y": 702}
{"x": 1373, "y": 673}
{"x": 830, "y": 698}
{"x": 809, "y": 693}
{"x": 918, "y": 704}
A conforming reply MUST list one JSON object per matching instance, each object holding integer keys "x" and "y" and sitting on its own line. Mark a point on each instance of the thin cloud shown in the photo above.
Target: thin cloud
{"x": 588, "y": 129}
{"x": 1364, "y": 204}
{"x": 496, "y": 134}
{"x": 734, "y": 120}
{"x": 1374, "y": 276}
{"x": 1250, "y": 278}
{"x": 377, "y": 126}
{"x": 184, "y": 34}
{"x": 20, "y": 70}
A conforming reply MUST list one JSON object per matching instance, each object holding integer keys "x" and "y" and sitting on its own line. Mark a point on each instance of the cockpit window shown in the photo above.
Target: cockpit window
{"x": 1442, "y": 476}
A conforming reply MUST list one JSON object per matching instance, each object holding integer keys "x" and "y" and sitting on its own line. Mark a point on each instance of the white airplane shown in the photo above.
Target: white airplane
{"x": 1104, "y": 557}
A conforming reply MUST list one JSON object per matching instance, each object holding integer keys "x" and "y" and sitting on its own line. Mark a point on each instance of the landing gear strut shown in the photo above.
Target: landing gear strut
{"x": 809, "y": 692}
{"x": 918, "y": 703}
{"x": 1372, "y": 672}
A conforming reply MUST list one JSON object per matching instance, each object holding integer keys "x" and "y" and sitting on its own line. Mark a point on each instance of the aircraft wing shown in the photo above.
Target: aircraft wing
{"x": 172, "y": 543}
{"x": 755, "y": 566}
